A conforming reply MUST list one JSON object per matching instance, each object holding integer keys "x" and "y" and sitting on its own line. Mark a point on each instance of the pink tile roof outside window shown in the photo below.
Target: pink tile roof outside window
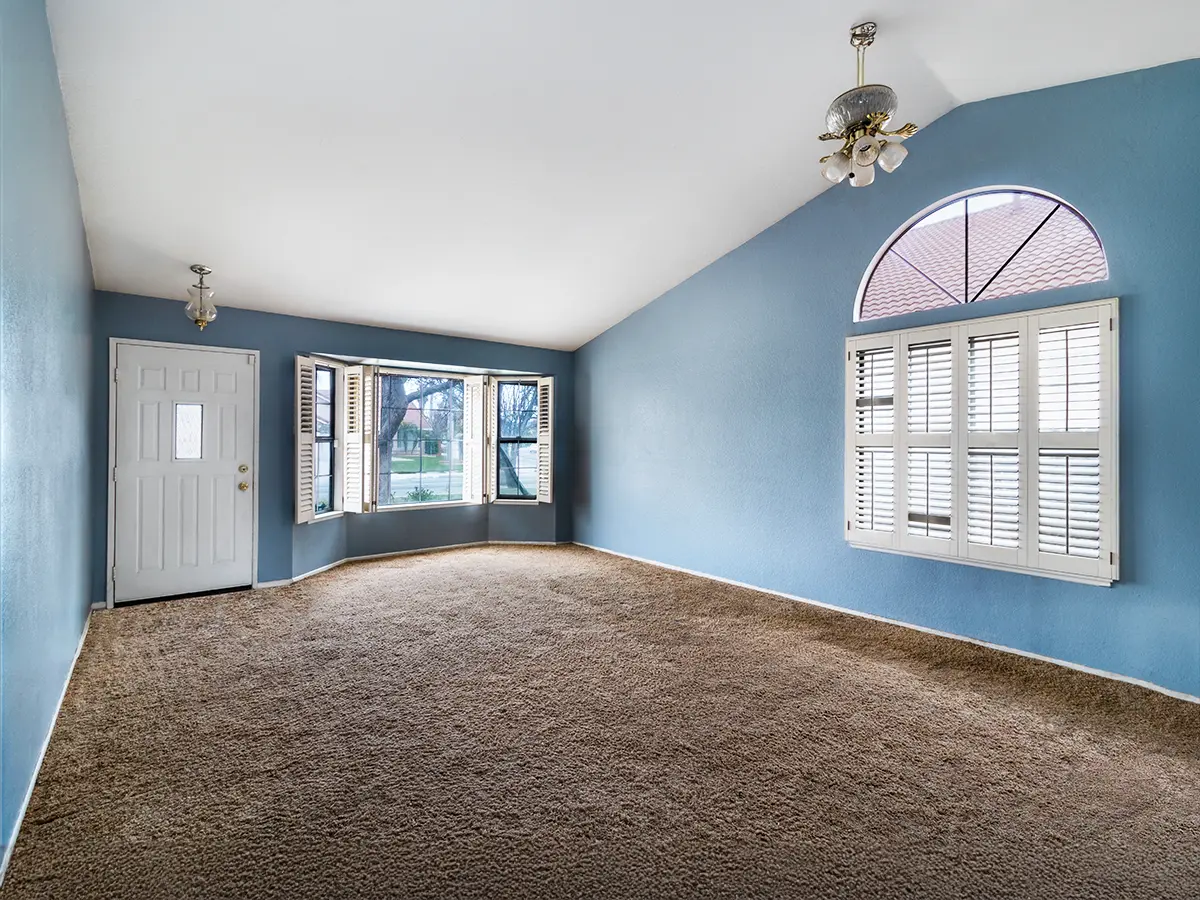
{"x": 927, "y": 266}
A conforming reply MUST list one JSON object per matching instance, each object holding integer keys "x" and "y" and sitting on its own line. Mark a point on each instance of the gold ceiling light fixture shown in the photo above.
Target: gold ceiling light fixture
{"x": 857, "y": 119}
{"x": 200, "y": 308}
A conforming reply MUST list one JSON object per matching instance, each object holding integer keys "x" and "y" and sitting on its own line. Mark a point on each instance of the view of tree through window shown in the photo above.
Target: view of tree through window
{"x": 420, "y": 439}
{"x": 323, "y": 479}
{"x": 516, "y": 445}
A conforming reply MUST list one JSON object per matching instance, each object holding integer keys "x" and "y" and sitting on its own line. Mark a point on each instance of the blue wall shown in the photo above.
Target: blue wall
{"x": 286, "y": 549}
{"x": 710, "y": 430}
{"x": 45, "y": 319}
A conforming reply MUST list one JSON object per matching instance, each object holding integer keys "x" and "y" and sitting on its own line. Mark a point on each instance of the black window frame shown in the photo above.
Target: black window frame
{"x": 319, "y": 439}
{"x": 383, "y": 466}
{"x": 500, "y": 440}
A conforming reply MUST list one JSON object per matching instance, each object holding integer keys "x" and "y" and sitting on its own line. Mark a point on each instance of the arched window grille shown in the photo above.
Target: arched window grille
{"x": 981, "y": 245}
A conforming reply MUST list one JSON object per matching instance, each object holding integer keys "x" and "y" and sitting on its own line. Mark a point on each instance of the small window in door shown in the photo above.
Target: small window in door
{"x": 189, "y": 430}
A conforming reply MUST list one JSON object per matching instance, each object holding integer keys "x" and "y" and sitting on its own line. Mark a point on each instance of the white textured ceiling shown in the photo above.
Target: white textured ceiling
{"x": 529, "y": 171}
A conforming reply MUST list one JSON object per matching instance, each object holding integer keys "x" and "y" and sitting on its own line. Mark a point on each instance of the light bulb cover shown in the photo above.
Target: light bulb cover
{"x": 892, "y": 155}
{"x": 862, "y": 176}
{"x": 836, "y": 168}
{"x": 866, "y": 150}
{"x": 200, "y": 308}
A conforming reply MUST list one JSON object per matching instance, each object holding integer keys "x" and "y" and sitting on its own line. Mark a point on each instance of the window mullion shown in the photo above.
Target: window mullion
{"x": 1109, "y": 468}
{"x": 959, "y": 398}
{"x": 902, "y": 442}
{"x": 1028, "y": 425}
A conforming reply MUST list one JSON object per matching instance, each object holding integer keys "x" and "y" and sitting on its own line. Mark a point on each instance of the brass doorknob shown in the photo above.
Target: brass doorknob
{"x": 242, "y": 486}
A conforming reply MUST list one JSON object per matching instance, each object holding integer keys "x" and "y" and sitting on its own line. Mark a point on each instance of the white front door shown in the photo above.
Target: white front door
{"x": 183, "y": 485}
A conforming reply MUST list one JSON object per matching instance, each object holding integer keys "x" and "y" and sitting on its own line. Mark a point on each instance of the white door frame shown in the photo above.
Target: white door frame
{"x": 113, "y": 343}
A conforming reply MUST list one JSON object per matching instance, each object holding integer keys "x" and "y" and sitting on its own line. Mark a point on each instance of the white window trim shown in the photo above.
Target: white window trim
{"x": 438, "y": 504}
{"x": 487, "y": 398}
{"x": 491, "y": 445}
{"x": 339, "y": 438}
{"x": 947, "y": 201}
{"x": 377, "y": 396}
{"x": 1027, "y": 559}
{"x": 491, "y": 439}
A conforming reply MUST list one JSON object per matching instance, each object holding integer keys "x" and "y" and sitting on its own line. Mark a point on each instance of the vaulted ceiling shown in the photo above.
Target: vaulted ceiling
{"x": 529, "y": 171}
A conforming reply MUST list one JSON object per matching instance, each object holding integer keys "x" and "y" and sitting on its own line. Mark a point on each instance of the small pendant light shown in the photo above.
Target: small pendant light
{"x": 200, "y": 308}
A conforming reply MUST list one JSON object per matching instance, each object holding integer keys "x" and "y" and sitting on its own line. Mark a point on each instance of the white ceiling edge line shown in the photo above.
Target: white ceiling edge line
{"x": 499, "y": 167}
{"x": 412, "y": 365}
{"x": 361, "y": 323}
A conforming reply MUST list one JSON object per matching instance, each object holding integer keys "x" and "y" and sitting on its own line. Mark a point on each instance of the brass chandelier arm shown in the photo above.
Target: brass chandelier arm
{"x": 905, "y": 131}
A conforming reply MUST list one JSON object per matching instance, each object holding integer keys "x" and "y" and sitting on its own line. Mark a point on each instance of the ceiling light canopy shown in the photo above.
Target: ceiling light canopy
{"x": 857, "y": 119}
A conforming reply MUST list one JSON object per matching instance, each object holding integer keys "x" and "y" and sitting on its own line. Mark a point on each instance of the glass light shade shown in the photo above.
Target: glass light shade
{"x": 892, "y": 155}
{"x": 200, "y": 308}
{"x": 857, "y": 104}
{"x": 836, "y": 168}
{"x": 862, "y": 176}
{"x": 866, "y": 150}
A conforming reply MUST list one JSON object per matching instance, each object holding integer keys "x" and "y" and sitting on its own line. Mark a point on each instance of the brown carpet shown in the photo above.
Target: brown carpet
{"x": 554, "y": 722}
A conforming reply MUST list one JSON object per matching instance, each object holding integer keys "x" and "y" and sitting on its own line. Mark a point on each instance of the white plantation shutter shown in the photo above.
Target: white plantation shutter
{"x": 1075, "y": 442}
{"x": 929, "y": 388}
{"x": 368, "y": 440}
{"x": 994, "y": 498}
{"x": 474, "y": 394}
{"x": 870, "y": 441}
{"x": 306, "y": 415}
{"x": 491, "y": 463}
{"x": 1069, "y": 503}
{"x": 994, "y": 384}
{"x": 545, "y": 436}
{"x": 875, "y": 489}
{"x": 930, "y": 490}
{"x": 351, "y": 438}
{"x": 991, "y": 441}
{"x": 925, "y": 444}
{"x": 1069, "y": 378}
{"x": 875, "y": 390}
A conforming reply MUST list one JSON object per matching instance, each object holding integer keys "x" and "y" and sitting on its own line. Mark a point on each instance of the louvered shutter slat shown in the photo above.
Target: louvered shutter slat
{"x": 930, "y": 373}
{"x": 352, "y": 439}
{"x": 993, "y": 383}
{"x": 492, "y": 399}
{"x": 545, "y": 438}
{"x": 1069, "y": 503}
{"x": 875, "y": 490}
{"x": 473, "y": 403}
{"x": 994, "y": 498}
{"x": 368, "y": 439}
{"x": 875, "y": 387}
{"x": 306, "y": 414}
{"x": 930, "y": 493}
{"x": 1069, "y": 378}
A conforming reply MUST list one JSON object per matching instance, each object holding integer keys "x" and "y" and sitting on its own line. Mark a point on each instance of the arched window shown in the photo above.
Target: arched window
{"x": 980, "y": 245}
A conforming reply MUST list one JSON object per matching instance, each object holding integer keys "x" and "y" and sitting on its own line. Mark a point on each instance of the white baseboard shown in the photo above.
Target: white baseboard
{"x": 529, "y": 543}
{"x": 259, "y": 585}
{"x": 1115, "y": 676}
{"x": 349, "y": 559}
{"x": 12, "y": 842}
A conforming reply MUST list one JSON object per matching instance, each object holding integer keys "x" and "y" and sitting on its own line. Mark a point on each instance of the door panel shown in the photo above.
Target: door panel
{"x": 184, "y": 430}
